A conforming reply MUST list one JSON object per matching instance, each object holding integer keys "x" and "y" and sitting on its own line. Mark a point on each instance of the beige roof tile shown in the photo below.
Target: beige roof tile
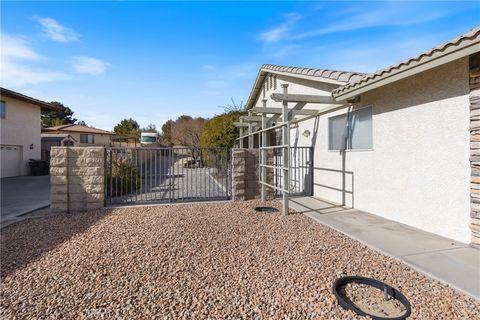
{"x": 322, "y": 73}
{"x": 356, "y": 82}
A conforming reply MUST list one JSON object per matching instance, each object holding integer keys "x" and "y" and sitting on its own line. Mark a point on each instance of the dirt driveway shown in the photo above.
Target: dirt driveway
{"x": 202, "y": 261}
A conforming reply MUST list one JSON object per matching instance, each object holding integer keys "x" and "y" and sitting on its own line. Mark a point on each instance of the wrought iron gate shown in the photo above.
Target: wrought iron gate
{"x": 156, "y": 175}
{"x": 300, "y": 169}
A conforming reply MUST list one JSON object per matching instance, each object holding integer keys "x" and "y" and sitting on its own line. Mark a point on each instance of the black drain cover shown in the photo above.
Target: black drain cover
{"x": 266, "y": 209}
{"x": 388, "y": 291}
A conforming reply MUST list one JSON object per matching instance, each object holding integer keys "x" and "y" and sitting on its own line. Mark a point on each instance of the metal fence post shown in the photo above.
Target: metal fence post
{"x": 286, "y": 150}
{"x": 263, "y": 154}
{"x": 111, "y": 176}
{"x": 172, "y": 166}
{"x": 311, "y": 173}
{"x": 105, "y": 176}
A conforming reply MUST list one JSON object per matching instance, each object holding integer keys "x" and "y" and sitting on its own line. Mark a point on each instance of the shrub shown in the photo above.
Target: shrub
{"x": 123, "y": 178}
{"x": 220, "y": 131}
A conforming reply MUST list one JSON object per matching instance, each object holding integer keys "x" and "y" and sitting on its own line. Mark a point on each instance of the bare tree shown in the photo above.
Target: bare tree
{"x": 233, "y": 107}
{"x": 186, "y": 131}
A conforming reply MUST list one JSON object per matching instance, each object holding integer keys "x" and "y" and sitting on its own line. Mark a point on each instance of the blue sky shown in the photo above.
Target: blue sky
{"x": 157, "y": 60}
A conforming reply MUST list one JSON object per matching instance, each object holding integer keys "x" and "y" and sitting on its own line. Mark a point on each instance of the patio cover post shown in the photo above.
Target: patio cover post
{"x": 286, "y": 150}
{"x": 250, "y": 131}
{"x": 263, "y": 154}
{"x": 241, "y": 134}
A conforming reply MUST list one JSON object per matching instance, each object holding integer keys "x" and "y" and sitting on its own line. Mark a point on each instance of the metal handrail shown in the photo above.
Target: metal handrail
{"x": 274, "y": 187}
{"x": 274, "y": 147}
{"x": 274, "y": 167}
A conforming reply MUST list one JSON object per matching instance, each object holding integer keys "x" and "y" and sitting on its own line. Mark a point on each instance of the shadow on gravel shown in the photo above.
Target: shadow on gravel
{"x": 26, "y": 241}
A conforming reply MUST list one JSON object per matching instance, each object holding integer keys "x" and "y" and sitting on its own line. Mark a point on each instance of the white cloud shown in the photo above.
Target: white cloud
{"x": 89, "y": 65}
{"x": 386, "y": 14}
{"x": 207, "y": 67}
{"x": 17, "y": 74}
{"x": 278, "y": 32}
{"x": 17, "y": 47}
{"x": 55, "y": 31}
{"x": 15, "y": 71}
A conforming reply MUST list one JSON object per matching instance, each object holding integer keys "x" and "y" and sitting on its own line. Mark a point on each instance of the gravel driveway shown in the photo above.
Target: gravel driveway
{"x": 199, "y": 261}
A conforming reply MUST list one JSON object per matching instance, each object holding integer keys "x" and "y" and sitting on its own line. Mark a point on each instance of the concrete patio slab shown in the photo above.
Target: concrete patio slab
{"x": 443, "y": 259}
{"x": 21, "y": 195}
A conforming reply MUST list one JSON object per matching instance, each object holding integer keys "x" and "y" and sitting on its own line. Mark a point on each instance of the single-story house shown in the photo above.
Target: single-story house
{"x": 82, "y": 135}
{"x": 20, "y": 131}
{"x": 402, "y": 143}
{"x": 50, "y": 140}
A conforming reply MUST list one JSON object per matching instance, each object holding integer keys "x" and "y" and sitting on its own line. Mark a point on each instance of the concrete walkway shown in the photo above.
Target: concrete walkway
{"x": 21, "y": 195}
{"x": 443, "y": 259}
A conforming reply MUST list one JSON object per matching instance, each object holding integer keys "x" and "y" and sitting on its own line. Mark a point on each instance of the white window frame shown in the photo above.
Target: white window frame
{"x": 348, "y": 148}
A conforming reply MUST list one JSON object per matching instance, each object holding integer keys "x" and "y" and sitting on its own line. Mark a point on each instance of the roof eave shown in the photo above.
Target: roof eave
{"x": 307, "y": 77}
{"x": 263, "y": 72}
{"x": 18, "y": 96}
{"x": 256, "y": 87}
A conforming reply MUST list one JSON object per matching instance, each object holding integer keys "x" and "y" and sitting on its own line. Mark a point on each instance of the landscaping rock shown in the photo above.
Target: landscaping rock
{"x": 197, "y": 261}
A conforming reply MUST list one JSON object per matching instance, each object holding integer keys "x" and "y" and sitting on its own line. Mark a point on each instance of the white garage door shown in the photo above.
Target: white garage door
{"x": 10, "y": 161}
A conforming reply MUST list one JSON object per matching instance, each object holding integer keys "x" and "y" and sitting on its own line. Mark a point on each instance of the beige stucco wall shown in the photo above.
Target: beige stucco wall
{"x": 100, "y": 139}
{"x": 21, "y": 127}
{"x": 296, "y": 86}
{"x": 418, "y": 171}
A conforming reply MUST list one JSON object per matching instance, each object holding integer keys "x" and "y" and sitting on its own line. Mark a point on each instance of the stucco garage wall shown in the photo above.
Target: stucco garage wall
{"x": 418, "y": 171}
{"x": 22, "y": 127}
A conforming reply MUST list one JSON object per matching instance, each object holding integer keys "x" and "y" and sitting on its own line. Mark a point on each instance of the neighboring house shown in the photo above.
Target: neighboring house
{"x": 399, "y": 144}
{"x": 20, "y": 131}
{"x": 83, "y": 135}
{"x": 50, "y": 140}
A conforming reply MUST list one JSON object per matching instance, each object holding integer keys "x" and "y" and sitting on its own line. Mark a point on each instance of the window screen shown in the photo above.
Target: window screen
{"x": 360, "y": 133}
{"x": 354, "y": 130}
{"x": 337, "y": 132}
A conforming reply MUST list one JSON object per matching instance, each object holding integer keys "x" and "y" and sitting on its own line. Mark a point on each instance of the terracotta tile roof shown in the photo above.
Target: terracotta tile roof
{"x": 19, "y": 96}
{"x": 468, "y": 39}
{"x": 76, "y": 128}
{"x": 342, "y": 76}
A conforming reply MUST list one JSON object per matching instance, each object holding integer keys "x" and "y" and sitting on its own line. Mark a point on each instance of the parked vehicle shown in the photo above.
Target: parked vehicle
{"x": 150, "y": 139}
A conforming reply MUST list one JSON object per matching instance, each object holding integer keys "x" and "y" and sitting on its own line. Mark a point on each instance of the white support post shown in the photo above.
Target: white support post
{"x": 286, "y": 150}
{"x": 263, "y": 154}
{"x": 250, "y": 131}
{"x": 241, "y": 135}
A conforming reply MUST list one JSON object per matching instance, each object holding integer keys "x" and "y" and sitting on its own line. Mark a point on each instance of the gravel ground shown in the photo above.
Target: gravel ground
{"x": 215, "y": 261}
{"x": 371, "y": 300}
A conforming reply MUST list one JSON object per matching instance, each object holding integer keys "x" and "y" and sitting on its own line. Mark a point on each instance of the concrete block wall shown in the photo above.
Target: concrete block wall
{"x": 246, "y": 174}
{"x": 77, "y": 180}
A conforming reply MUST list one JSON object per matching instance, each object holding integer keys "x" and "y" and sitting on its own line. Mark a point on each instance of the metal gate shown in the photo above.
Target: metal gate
{"x": 300, "y": 170}
{"x": 166, "y": 175}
